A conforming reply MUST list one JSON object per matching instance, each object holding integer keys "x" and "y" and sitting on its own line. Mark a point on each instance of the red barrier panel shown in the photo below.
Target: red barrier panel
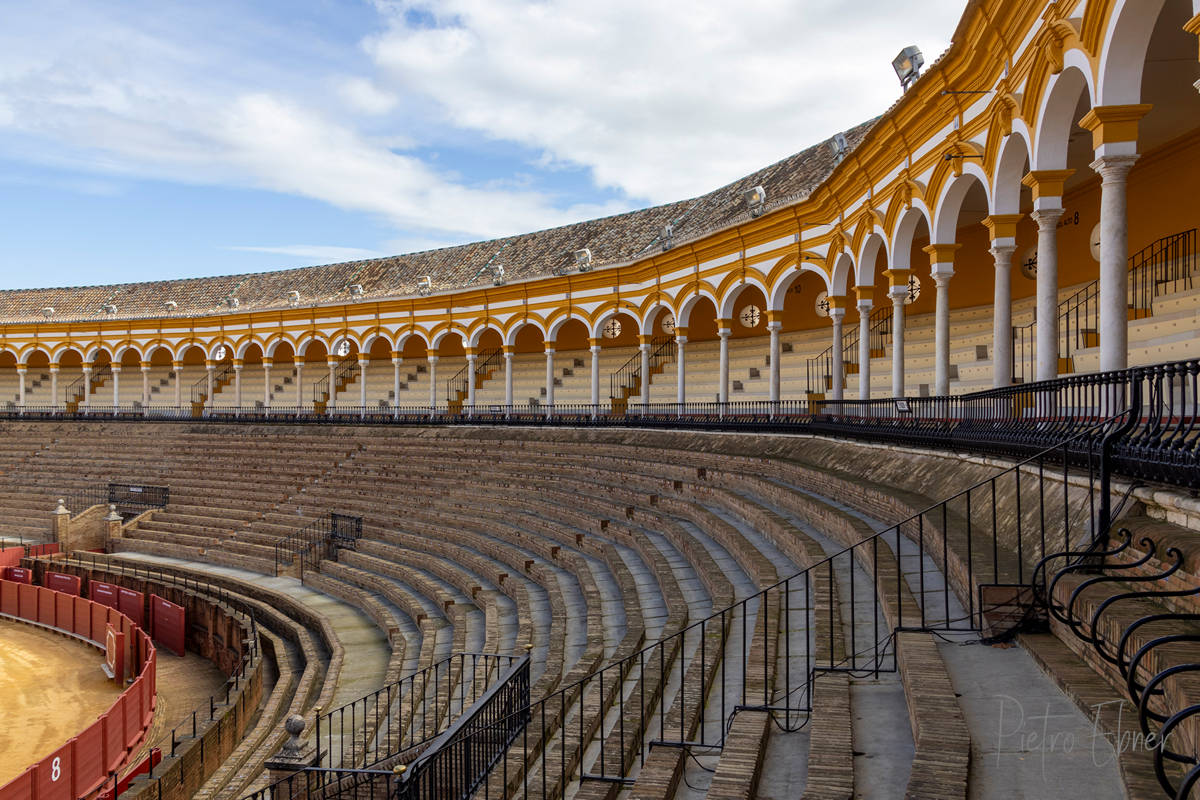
{"x": 64, "y": 612}
{"x": 103, "y": 593}
{"x": 114, "y": 725}
{"x": 18, "y": 575}
{"x": 89, "y": 756}
{"x": 27, "y": 601}
{"x": 71, "y": 584}
{"x": 8, "y": 598}
{"x": 54, "y": 774}
{"x": 11, "y": 556}
{"x": 83, "y": 618}
{"x": 39, "y": 550}
{"x": 167, "y": 624}
{"x": 19, "y": 789}
{"x": 46, "y": 607}
{"x": 132, "y": 604}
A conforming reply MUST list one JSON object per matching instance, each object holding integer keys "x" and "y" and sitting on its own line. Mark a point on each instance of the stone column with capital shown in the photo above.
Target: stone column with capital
{"x": 941, "y": 267}
{"x": 116, "y": 376}
{"x": 54, "y": 403}
{"x": 396, "y": 361}
{"x": 208, "y": 369}
{"x": 774, "y": 326}
{"x": 1047, "y": 186}
{"x": 62, "y": 527}
{"x": 644, "y": 345}
{"x": 594, "y": 347}
{"x": 87, "y": 385}
{"x": 432, "y": 358}
{"x": 1002, "y": 231}
{"x": 332, "y": 363}
{"x": 724, "y": 330}
{"x": 267, "y": 363}
{"x": 898, "y": 291}
{"x": 1114, "y": 140}
{"x": 508, "y": 378}
{"x": 237, "y": 383}
{"x": 680, "y": 365}
{"x": 549, "y": 379}
{"x": 837, "y": 366}
{"x": 145, "y": 366}
{"x": 472, "y": 358}
{"x": 298, "y": 363}
{"x": 177, "y": 366}
{"x": 363, "y": 363}
{"x": 21, "y": 370}
{"x": 865, "y": 300}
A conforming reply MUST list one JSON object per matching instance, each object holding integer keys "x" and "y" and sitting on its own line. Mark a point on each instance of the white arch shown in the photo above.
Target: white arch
{"x": 868, "y": 255}
{"x": 597, "y": 331}
{"x": 902, "y": 237}
{"x": 843, "y": 268}
{"x": 510, "y": 339}
{"x": 1011, "y": 167}
{"x": 1130, "y": 26}
{"x": 779, "y": 291}
{"x": 402, "y": 339}
{"x": 646, "y": 324}
{"x": 240, "y": 352}
{"x": 303, "y": 345}
{"x": 447, "y": 331}
{"x": 1057, "y": 111}
{"x": 556, "y": 326}
{"x": 120, "y": 352}
{"x": 729, "y": 302}
{"x": 945, "y": 220}
{"x": 685, "y": 309}
{"x": 57, "y": 353}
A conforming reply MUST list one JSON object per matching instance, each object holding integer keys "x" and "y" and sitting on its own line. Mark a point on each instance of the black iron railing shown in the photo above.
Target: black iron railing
{"x": 343, "y": 373}
{"x": 74, "y": 391}
{"x": 458, "y": 386}
{"x": 319, "y": 540}
{"x": 220, "y": 377}
{"x": 627, "y": 380}
{"x": 129, "y": 498}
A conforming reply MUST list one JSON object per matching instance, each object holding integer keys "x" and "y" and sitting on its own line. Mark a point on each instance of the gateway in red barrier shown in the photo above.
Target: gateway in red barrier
{"x": 132, "y": 604}
{"x": 70, "y": 584}
{"x": 167, "y": 624}
{"x": 103, "y": 593}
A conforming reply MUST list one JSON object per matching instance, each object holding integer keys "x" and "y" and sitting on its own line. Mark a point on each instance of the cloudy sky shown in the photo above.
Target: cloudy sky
{"x": 143, "y": 139}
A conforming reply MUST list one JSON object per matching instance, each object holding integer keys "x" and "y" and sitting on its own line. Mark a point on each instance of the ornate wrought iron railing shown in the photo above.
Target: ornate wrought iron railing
{"x": 458, "y": 386}
{"x": 318, "y": 540}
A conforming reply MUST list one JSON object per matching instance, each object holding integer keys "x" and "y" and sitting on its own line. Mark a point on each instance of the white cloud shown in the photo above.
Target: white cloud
{"x": 326, "y": 254}
{"x": 363, "y": 96}
{"x": 661, "y": 100}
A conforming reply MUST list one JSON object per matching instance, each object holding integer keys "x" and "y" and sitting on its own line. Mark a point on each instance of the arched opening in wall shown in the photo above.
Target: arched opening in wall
{"x": 283, "y": 373}
{"x": 160, "y": 377}
{"x": 249, "y": 392}
{"x": 1162, "y": 196}
{"x": 617, "y": 335}
{"x": 806, "y": 333}
{"x": 528, "y": 366}
{"x": 314, "y": 371}
{"x": 70, "y": 378}
{"x": 746, "y": 309}
{"x": 701, "y": 357}
{"x": 920, "y": 302}
{"x": 973, "y": 284}
{"x": 451, "y": 369}
{"x": 37, "y": 379}
{"x": 571, "y": 363}
{"x": 8, "y": 380}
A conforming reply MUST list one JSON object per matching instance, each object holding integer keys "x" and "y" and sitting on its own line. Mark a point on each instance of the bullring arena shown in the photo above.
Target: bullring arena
{"x": 873, "y": 474}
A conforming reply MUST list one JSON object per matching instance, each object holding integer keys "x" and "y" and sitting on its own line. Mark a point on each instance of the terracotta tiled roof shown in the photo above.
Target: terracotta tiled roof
{"x": 615, "y": 239}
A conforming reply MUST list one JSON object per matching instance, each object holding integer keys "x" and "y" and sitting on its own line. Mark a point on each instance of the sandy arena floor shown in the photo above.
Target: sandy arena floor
{"x": 53, "y": 688}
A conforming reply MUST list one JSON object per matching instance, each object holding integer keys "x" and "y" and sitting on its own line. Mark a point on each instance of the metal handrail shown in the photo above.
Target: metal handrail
{"x": 200, "y": 387}
{"x": 629, "y": 375}
{"x": 457, "y": 385}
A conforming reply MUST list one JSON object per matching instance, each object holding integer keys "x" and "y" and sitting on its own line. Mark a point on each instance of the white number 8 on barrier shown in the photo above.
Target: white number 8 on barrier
{"x": 56, "y": 769}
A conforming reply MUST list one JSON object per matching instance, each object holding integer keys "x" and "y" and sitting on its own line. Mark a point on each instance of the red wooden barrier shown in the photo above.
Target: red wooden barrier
{"x": 167, "y": 624}
{"x": 39, "y": 550}
{"x": 132, "y": 604}
{"x": 103, "y": 593}
{"x": 81, "y": 766}
{"x": 18, "y": 574}
{"x": 71, "y": 584}
{"x": 11, "y": 556}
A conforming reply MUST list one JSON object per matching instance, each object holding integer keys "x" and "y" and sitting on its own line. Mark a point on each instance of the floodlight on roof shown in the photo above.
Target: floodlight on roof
{"x": 171, "y": 305}
{"x": 108, "y": 308}
{"x": 498, "y": 275}
{"x": 424, "y": 285}
{"x": 48, "y": 311}
{"x": 233, "y": 302}
{"x": 838, "y": 146}
{"x": 356, "y": 290}
{"x": 293, "y": 298}
{"x": 755, "y": 199}
{"x": 668, "y": 232}
{"x": 908, "y": 65}
{"x": 583, "y": 259}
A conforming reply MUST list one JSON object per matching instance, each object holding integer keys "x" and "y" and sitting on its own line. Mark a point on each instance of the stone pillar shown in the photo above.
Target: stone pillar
{"x": 87, "y": 385}
{"x": 680, "y": 366}
{"x": 471, "y": 359}
{"x": 208, "y": 369}
{"x": 112, "y": 527}
{"x": 21, "y": 370}
{"x": 1114, "y": 139}
{"x": 62, "y": 526}
{"x": 508, "y": 378}
{"x": 774, "y": 326}
{"x": 363, "y": 362}
{"x": 145, "y": 366}
{"x": 295, "y": 755}
{"x": 549, "y": 379}
{"x": 724, "y": 331}
{"x": 941, "y": 267}
{"x": 332, "y": 363}
{"x": 266, "y": 365}
{"x": 177, "y": 366}
{"x": 865, "y": 299}
{"x": 594, "y": 346}
{"x": 237, "y": 383}
{"x": 432, "y": 358}
{"x": 116, "y": 394}
{"x": 54, "y": 403}
{"x": 1047, "y": 186}
{"x": 837, "y": 313}
{"x": 298, "y": 362}
{"x": 397, "y": 360}
{"x": 898, "y": 291}
{"x": 1002, "y": 231}
{"x": 644, "y": 345}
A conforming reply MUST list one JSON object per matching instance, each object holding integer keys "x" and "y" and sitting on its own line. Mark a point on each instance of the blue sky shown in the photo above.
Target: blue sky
{"x": 147, "y": 140}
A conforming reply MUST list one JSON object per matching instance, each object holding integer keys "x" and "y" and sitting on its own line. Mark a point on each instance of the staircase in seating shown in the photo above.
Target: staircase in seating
{"x": 627, "y": 381}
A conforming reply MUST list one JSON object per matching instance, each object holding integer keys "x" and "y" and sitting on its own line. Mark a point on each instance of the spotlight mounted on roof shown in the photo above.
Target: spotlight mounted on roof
{"x": 583, "y": 259}
{"x": 755, "y": 199}
{"x": 108, "y": 308}
{"x": 233, "y": 302}
{"x": 170, "y": 306}
{"x": 424, "y": 285}
{"x": 356, "y": 290}
{"x": 668, "y": 232}
{"x": 838, "y": 146}
{"x": 48, "y": 311}
{"x": 498, "y": 275}
{"x": 293, "y": 298}
{"x": 908, "y": 66}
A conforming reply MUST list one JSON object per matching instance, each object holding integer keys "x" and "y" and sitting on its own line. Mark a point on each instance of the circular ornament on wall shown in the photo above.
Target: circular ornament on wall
{"x": 668, "y": 324}
{"x": 611, "y": 329}
{"x": 822, "y": 304}
{"x": 1028, "y": 262}
{"x": 750, "y": 317}
{"x": 914, "y": 289}
{"x": 1094, "y": 241}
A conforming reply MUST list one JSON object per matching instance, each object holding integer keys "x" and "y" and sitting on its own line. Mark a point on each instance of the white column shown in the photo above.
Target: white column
{"x": 471, "y": 358}
{"x": 836, "y": 316}
{"x": 432, "y": 382}
{"x": 145, "y": 387}
{"x": 774, "y": 327}
{"x": 1002, "y": 340}
{"x": 1047, "y": 292}
{"x": 116, "y": 373}
{"x": 723, "y": 388}
{"x": 1114, "y": 257}
{"x": 87, "y": 385}
{"x": 266, "y": 365}
{"x": 54, "y": 386}
{"x": 680, "y": 367}
{"x": 864, "y": 348}
{"x": 332, "y": 386}
{"x": 899, "y": 294}
{"x": 178, "y": 367}
{"x": 644, "y": 390}
{"x": 942, "y": 273}
{"x": 299, "y": 364}
{"x": 208, "y": 368}
{"x": 21, "y": 369}
{"x": 362, "y": 381}
{"x": 396, "y": 361}
{"x": 595, "y": 349}
{"x": 508, "y": 380}
{"x": 549, "y": 381}
{"x": 237, "y": 385}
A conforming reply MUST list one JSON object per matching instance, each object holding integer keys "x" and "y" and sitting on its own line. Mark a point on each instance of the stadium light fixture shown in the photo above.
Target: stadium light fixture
{"x": 583, "y": 259}
{"x": 838, "y": 146}
{"x": 425, "y": 285}
{"x": 48, "y": 311}
{"x": 293, "y": 298}
{"x": 109, "y": 308}
{"x": 233, "y": 302}
{"x": 755, "y": 199}
{"x": 171, "y": 305}
{"x": 356, "y": 290}
{"x": 498, "y": 275}
{"x": 668, "y": 232}
{"x": 908, "y": 65}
